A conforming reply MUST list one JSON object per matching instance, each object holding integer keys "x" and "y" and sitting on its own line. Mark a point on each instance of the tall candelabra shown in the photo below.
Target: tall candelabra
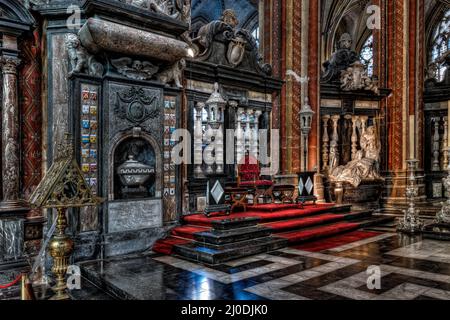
{"x": 411, "y": 222}
{"x": 443, "y": 216}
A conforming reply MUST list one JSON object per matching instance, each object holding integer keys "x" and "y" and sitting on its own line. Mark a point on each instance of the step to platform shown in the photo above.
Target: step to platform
{"x": 209, "y": 254}
{"x": 310, "y": 234}
{"x": 219, "y": 237}
{"x": 263, "y": 228}
{"x": 306, "y": 222}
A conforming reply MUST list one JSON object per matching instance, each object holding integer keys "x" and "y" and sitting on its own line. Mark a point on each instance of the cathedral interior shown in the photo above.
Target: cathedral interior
{"x": 225, "y": 150}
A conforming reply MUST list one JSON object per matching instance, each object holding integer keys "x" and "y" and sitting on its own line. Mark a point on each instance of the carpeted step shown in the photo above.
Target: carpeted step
{"x": 329, "y": 230}
{"x": 166, "y": 245}
{"x": 336, "y": 241}
{"x": 314, "y": 233}
{"x": 188, "y": 231}
{"x": 285, "y": 214}
{"x": 272, "y": 207}
{"x": 221, "y": 237}
{"x": 322, "y": 219}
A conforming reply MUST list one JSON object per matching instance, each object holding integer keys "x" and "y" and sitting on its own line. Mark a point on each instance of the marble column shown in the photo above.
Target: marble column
{"x": 240, "y": 140}
{"x": 334, "y": 145}
{"x": 364, "y": 120}
{"x": 436, "y": 146}
{"x": 325, "y": 143}
{"x": 10, "y": 137}
{"x": 198, "y": 140}
{"x": 355, "y": 120}
{"x": 255, "y": 134}
{"x": 219, "y": 149}
{"x": 445, "y": 160}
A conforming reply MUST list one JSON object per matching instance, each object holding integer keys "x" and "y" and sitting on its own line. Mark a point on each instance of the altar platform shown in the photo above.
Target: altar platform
{"x": 263, "y": 228}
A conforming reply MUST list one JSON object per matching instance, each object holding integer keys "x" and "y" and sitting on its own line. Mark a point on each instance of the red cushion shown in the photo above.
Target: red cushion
{"x": 256, "y": 183}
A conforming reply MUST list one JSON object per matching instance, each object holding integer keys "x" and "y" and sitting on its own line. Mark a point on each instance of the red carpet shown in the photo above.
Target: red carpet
{"x": 188, "y": 231}
{"x": 336, "y": 241}
{"x": 318, "y": 232}
{"x": 292, "y": 222}
{"x": 265, "y": 216}
{"x": 165, "y": 246}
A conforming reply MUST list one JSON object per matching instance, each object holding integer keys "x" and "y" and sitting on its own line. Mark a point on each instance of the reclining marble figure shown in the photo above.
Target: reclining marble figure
{"x": 366, "y": 165}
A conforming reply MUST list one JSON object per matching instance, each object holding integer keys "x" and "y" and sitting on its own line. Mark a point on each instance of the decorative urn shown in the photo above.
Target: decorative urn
{"x": 134, "y": 174}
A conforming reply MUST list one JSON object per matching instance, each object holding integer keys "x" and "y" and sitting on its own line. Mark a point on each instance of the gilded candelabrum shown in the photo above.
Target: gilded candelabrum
{"x": 411, "y": 223}
{"x": 61, "y": 248}
{"x": 63, "y": 187}
{"x": 443, "y": 216}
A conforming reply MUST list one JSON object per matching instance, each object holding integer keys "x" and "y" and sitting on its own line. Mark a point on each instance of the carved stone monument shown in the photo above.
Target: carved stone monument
{"x": 360, "y": 178}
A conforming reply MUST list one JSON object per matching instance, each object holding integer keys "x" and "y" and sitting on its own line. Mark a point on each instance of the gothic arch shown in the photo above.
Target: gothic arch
{"x": 123, "y": 137}
{"x": 347, "y": 16}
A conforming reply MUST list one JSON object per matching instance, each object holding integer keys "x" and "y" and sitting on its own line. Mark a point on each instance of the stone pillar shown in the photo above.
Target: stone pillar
{"x": 219, "y": 149}
{"x": 198, "y": 140}
{"x": 364, "y": 120}
{"x": 445, "y": 145}
{"x": 436, "y": 146}
{"x": 334, "y": 145}
{"x": 10, "y": 137}
{"x": 247, "y": 133}
{"x": 355, "y": 120}
{"x": 325, "y": 143}
{"x": 255, "y": 140}
{"x": 240, "y": 141}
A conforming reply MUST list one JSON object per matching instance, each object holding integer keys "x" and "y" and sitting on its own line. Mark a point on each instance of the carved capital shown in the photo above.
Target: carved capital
{"x": 9, "y": 65}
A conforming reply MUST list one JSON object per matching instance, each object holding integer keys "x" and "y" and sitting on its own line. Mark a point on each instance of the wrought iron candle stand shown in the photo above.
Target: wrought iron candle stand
{"x": 411, "y": 222}
{"x": 63, "y": 187}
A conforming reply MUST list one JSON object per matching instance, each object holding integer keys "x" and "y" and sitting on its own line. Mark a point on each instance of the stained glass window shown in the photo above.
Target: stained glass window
{"x": 440, "y": 45}
{"x": 366, "y": 55}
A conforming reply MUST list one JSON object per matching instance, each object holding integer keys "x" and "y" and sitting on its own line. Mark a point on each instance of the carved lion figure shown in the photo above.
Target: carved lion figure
{"x": 173, "y": 74}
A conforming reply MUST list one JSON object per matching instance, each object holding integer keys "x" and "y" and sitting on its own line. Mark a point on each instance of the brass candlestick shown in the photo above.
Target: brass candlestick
{"x": 61, "y": 248}
{"x": 411, "y": 222}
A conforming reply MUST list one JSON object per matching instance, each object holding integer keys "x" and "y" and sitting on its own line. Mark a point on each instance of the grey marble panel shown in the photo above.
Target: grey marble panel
{"x": 59, "y": 90}
{"x": 134, "y": 215}
{"x": 11, "y": 239}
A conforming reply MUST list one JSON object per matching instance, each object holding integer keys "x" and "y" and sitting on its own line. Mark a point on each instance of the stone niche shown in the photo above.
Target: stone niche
{"x": 135, "y": 197}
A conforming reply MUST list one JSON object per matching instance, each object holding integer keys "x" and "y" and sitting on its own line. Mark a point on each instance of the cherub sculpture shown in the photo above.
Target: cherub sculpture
{"x": 80, "y": 60}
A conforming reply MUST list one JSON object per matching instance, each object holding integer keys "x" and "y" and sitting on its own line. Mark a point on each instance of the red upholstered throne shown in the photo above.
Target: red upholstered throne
{"x": 249, "y": 176}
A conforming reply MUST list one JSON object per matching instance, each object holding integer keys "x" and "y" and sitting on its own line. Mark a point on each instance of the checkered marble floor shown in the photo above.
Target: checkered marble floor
{"x": 410, "y": 268}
